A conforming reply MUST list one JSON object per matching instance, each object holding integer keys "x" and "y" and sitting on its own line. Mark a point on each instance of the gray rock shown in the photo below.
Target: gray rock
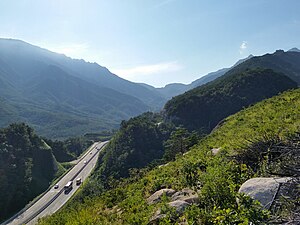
{"x": 215, "y": 151}
{"x": 156, "y": 217}
{"x": 186, "y": 195}
{"x": 156, "y": 197}
{"x": 179, "y": 205}
{"x": 263, "y": 189}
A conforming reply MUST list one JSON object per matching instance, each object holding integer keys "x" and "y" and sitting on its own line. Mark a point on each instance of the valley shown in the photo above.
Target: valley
{"x": 155, "y": 112}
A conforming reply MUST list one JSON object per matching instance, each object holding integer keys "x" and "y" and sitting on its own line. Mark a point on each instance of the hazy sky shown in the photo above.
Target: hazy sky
{"x": 155, "y": 41}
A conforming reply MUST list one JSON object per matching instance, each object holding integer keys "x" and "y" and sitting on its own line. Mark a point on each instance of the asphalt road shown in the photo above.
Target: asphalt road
{"x": 54, "y": 199}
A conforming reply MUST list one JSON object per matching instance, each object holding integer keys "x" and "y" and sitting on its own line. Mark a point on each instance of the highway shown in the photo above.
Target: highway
{"x": 54, "y": 199}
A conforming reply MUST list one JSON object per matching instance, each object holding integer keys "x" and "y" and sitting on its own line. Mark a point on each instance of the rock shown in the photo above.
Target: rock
{"x": 160, "y": 166}
{"x": 156, "y": 197}
{"x": 186, "y": 195}
{"x": 263, "y": 189}
{"x": 215, "y": 151}
{"x": 157, "y": 217}
{"x": 179, "y": 205}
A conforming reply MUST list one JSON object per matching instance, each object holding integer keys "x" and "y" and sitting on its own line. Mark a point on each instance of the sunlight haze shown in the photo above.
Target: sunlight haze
{"x": 156, "y": 41}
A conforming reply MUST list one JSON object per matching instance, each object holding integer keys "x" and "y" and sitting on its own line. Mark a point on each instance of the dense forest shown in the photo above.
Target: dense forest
{"x": 138, "y": 142}
{"x": 27, "y": 166}
{"x": 204, "y": 107}
{"x": 69, "y": 149}
{"x": 29, "y": 163}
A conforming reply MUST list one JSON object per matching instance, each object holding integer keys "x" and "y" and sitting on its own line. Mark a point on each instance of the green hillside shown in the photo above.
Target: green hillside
{"x": 138, "y": 142}
{"x": 27, "y": 165}
{"x": 204, "y": 107}
{"x": 216, "y": 178}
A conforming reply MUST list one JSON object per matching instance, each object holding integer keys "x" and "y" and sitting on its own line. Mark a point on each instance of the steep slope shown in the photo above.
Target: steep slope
{"x": 27, "y": 60}
{"x": 215, "y": 178}
{"x": 61, "y": 96}
{"x": 204, "y": 107}
{"x": 138, "y": 142}
{"x": 27, "y": 165}
{"x": 287, "y": 63}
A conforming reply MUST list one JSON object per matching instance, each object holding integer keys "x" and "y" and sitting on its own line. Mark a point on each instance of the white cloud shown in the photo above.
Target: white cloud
{"x": 158, "y": 68}
{"x": 243, "y": 47}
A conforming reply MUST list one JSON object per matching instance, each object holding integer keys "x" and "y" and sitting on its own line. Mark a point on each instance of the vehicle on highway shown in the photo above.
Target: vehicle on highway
{"x": 78, "y": 181}
{"x": 91, "y": 152}
{"x": 68, "y": 187}
{"x": 84, "y": 162}
{"x": 56, "y": 186}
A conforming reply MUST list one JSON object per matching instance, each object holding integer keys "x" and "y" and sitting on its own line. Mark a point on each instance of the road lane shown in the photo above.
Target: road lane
{"x": 56, "y": 198}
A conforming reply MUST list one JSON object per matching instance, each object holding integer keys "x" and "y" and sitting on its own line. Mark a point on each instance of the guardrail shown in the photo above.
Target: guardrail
{"x": 53, "y": 199}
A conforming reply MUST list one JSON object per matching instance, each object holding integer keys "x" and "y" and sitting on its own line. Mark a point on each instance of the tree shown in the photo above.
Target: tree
{"x": 179, "y": 142}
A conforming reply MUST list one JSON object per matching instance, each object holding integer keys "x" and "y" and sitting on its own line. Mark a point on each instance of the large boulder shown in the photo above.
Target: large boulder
{"x": 156, "y": 197}
{"x": 263, "y": 189}
{"x": 186, "y": 195}
{"x": 179, "y": 206}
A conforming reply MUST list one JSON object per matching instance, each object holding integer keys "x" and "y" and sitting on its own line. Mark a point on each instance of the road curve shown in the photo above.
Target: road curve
{"x": 54, "y": 199}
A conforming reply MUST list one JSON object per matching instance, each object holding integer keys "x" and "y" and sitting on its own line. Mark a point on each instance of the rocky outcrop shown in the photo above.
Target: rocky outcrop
{"x": 178, "y": 200}
{"x": 263, "y": 189}
{"x": 186, "y": 195}
{"x": 156, "y": 197}
{"x": 179, "y": 206}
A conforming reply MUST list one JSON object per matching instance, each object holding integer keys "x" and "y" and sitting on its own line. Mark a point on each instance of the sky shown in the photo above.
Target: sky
{"x": 155, "y": 41}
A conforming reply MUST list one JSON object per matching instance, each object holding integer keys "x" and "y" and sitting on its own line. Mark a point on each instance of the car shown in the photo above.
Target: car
{"x": 84, "y": 162}
{"x": 78, "y": 181}
{"x": 56, "y": 186}
{"x": 91, "y": 152}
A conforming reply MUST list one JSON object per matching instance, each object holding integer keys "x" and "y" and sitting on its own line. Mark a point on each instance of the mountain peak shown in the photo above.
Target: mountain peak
{"x": 294, "y": 50}
{"x": 243, "y": 60}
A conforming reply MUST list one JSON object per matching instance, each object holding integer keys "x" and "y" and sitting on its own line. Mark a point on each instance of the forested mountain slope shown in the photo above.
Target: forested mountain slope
{"x": 27, "y": 165}
{"x": 216, "y": 178}
{"x": 53, "y": 92}
{"x": 204, "y": 107}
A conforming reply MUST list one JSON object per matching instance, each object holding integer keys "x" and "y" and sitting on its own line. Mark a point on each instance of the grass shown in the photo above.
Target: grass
{"x": 217, "y": 176}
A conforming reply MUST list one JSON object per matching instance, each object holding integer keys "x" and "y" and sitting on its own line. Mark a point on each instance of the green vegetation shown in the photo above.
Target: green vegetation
{"x": 100, "y": 136}
{"x": 69, "y": 149}
{"x": 204, "y": 107}
{"x": 138, "y": 143}
{"x": 27, "y": 166}
{"x": 179, "y": 142}
{"x": 215, "y": 177}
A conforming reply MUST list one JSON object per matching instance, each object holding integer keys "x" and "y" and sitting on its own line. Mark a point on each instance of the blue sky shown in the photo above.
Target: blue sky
{"x": 155, "y": 41}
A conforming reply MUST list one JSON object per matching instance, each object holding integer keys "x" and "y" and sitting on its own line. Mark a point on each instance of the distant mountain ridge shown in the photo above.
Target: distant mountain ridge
{"x": 294, "y": 50}
{"x": 174, "y": 89}
{"x": 60, "y": 96}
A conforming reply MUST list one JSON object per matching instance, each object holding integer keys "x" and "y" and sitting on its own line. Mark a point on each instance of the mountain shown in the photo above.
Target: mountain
{"x": 215, "y": 178}
{"x": 62, "y": 97}
{"x": 294, "y": 50}
{"x": 244, "y": 84}
{"x": 174, "y": 89}
{"x": 280, "y": 61}
{"x": 27, "y": 165}
{"x": 204, "y": 107}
